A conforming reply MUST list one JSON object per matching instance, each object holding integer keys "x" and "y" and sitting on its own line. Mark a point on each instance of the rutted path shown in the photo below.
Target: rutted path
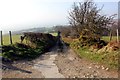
{"x": 48, "y": 68}
{"x": 42, "y": 67}
{"x": 72, "y": 66}
{"x": 56, "y": 64}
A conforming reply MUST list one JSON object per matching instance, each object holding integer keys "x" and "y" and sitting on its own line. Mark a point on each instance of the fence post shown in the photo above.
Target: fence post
{"x": 117, "y": 35}
{"x": 10, "y": 37}
{"x": 110, "y": 35}
{"x": 1, "y": 38}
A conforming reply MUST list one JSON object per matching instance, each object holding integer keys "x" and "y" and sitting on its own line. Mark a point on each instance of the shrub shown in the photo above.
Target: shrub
{"x": 40, "y": 39}
{"x": 19, "y": 51}
{"x": 87, "y": 38}
{"x": 38, "y": 44}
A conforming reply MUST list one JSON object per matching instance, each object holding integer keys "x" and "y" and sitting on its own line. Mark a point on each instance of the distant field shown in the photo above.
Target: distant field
{"x": 107, "y": 38}
{"x": 16, "y": 38}
{"x": 54, "y": 34}
{"x": 6, "y": 39}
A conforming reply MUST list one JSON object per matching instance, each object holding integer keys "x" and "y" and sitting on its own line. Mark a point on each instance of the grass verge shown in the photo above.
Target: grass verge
{"x": 109, "y": 59}
{"x": 19, "y": 51}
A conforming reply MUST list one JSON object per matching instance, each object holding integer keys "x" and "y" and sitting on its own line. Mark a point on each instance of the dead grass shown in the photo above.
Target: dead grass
{"x": 110, "y": 47}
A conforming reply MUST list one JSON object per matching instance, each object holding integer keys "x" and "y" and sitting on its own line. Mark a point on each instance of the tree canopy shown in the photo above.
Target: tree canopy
{"x": 86, "y": 15}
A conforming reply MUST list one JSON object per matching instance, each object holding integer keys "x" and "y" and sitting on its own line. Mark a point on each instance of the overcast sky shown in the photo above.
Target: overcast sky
{"x": 23, "y": 14}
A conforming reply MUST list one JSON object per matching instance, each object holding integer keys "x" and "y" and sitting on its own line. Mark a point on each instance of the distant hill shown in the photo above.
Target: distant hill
{"x": 41, "y": 30}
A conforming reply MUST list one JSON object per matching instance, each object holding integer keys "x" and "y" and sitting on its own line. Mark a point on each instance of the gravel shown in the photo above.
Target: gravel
{"x": 72, "y": 66}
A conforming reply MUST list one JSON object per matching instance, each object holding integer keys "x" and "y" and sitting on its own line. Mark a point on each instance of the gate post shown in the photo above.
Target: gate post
{"x": 1, "y": 38}
{"x": 10, "y": 37}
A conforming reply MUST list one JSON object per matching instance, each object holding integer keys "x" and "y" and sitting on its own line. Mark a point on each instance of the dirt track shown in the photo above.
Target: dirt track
{"x": 72, "y": 66}
{"x": 55, "y": 64}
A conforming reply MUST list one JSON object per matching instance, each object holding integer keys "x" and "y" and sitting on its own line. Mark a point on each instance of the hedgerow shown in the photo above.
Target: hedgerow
{"x": 36, "y": 44}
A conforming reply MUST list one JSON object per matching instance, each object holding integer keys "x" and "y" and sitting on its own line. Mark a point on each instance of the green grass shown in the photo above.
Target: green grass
{"x": 54, "y": 34}
{"x": 107, "y": 38}
{"x": 109, "y": 59}
{"x": 16, "y": 38}
{"x": 6, "y": 39}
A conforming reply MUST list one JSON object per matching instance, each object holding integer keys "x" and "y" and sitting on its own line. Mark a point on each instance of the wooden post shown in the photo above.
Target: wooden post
{"x": 117, "y": 35}
{"x": 110, "y": 35}
{"x": 10, "y": 37}
{"x": 1, "y": 38}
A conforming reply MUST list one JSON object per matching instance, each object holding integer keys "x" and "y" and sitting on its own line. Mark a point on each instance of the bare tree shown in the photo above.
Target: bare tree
{"x": 86, "y": 15}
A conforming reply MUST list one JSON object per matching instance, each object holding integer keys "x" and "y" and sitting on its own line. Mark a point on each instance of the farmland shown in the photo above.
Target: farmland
{"x": 77, "y": 40}
{"x": 19, "y": 51}
{"x": 54, "y": 34}
{"x": 71, "y": 42}
{"x": 107, "y": 38}
{"x": 15, "y": 38}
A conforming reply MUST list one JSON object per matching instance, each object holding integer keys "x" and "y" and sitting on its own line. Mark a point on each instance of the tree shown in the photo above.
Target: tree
{"x": 86, "y": 15}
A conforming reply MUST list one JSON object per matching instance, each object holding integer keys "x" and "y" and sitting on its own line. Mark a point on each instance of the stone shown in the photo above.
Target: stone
{"x": 67, "y": 69}
{"x": 90, "y": 67}
{"x": 92, "y": 76}
{"x": 107, "y": 69}
{"x": 71, "y": 58}
{"x": 94, "y": 71}
{"x": 74, "y": 77}
{"x": 98, "y": 67}
{"x": 84, "y": 76}
{"x": 103, "y": 67}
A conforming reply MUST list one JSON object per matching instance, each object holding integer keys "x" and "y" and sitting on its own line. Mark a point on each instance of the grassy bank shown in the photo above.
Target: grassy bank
{"x": 37, "y": 44}
{"x": 110, "y": 59}
{"x": 20, "y": 51}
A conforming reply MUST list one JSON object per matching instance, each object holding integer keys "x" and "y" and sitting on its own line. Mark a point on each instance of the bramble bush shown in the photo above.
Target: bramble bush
{"x": 40, "y": 39}
{"x": 37, "y": 44}
{"x": 87, "y": 38}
